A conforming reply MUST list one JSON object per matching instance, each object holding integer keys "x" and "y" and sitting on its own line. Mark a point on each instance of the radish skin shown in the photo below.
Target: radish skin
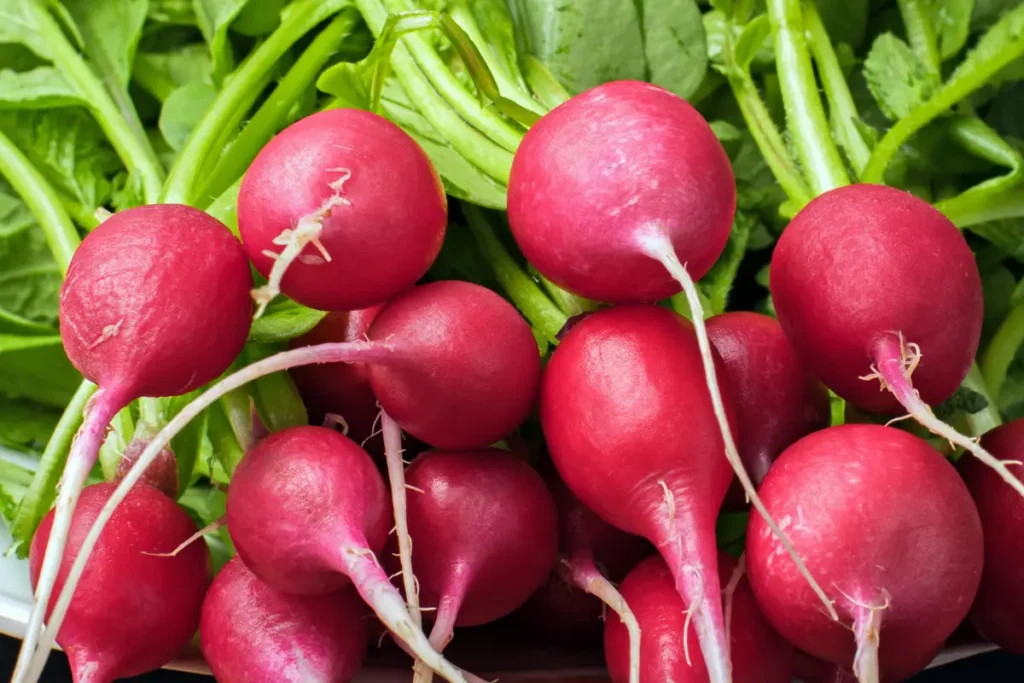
{"x": 996, "y": 613}
{"x": 864, "y": 504}
{"x": 341, "y": 196}
{"x": 624, "y": 194}
{"x": 162, "y": 594}
{"x": 467, "y": 400}
{"x": 919, "y": 314}
{"x": 759, "y": 654}
{"x": 155, "y": 303}
{"x": 251, "y": 632}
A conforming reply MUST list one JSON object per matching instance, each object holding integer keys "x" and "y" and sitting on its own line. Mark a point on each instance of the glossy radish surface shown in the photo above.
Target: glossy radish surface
{"x": 347, "y": 205}
{"x": 133, "y": 611}
{"x": 605, "y": 170}
{"x": 864, "y": 504}
{"x": 1000, "y": 602}
{"x": 251, "y": 632}
{"x": 759, "y": 654}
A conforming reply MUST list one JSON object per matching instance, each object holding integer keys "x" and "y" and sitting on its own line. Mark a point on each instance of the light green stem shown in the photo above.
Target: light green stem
{"x": 805, "y": 115}
{"x": 1001, "y": 351}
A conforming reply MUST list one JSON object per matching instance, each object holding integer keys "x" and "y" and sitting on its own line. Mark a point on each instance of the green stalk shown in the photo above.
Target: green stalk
{"x": 840, "y": 102}
{"x": 968, "y": 210}
{"x": 134, "y": 150}
{"x": 998, "y": 197}
{"x": 42, "y": 491}
{"x": 763, "y": 129}
{"x": 1007, "y": 340}
{"x": 918, "y": 21}
{"x": 571, "y": 304}
{"x": 999, "y": 47}
{"x": 544, "y": 85}
{"x": 544, "y": 315}
{"x": 805, "y": 115}
{"x": 238, "y": 95}
{"x": 225, "y": 207}
{"x": 42, "y": 200}
{"x": 273, "y": 112}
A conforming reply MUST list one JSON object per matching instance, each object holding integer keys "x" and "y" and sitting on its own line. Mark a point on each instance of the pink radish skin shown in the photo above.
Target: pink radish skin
{"x": 161, "y": 475}
{"x": 484, "y": 532}
{"x": 155, "y": 303}
{"x": 162, "y": 595}
{"x": 308, "y": 512}
{"x": 457, "y": 351}
{"x": 633, "y": 434}
{"x": 776, "y": 401}
{"x": 341, "y": 196}
{"x": 759, "y": 654}
{"x": 251, "y": 632}
{"x": 602, "y": 172}
{"x": 924, "y": 284}
{"x": 864, "y": 504}
{"x": 997, "y": 610}
{"x": 340, "y": 388}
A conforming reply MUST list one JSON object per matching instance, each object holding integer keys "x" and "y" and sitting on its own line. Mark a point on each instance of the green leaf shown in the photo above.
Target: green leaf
{"x": 110, "y": 30}
{"x": 952, "y": 24}
{"x": 18, "y": 25}
{"x": 180, "y": 12}
{"x": 69, "y": 148}
{"x": 674, "y": 46}
{"x": 29, "y": 276}
{"x": 282, "y": 321}
{"x": 846, "y": 20}
{"x": 896, "y": 77}
{"x": 40, "y": 88}
{"x": 26, "y": 425}
{"x": 963, "y": 400}
{"x": 259, "y": 18}
{"x": 753, "y": 39}
{"x": 716, "y": 285}
{"x": 14, "y": 483}
{"x": 36, "y": 368}
{"x": 119, "y": 434}
{"x": 214, "y": 17}
{"x": 988, "y": 12}
{"x": 278, "y": 402}
{"x": 183, "y": 110}
{"x": 161, "y": 73}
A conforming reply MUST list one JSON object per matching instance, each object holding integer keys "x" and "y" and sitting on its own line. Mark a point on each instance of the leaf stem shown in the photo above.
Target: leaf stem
{"x": 237, "y": 96}
{"x": 42, "y": 200}
{"x": 1002, "y": 349}
{"x": 805, "y": 115}
{"x": 840, "y": 101}
{"x": 134, "y": 150}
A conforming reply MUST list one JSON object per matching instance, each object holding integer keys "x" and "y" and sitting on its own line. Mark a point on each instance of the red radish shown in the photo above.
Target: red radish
{"x": 308, "y": 512}
{"x": 892, "y": 531}
{"x": 155, "y": 303}
{"x": 919, "y": 312}
{"x": 759, "y": 654}
{"x": 810, "y": 669}
{"x": 484, "y": 532}
{"x": 341, "y": 196}
{"x": 133, "y": 612}
{"x": 161, "y": 475}
{"x": 251, "y": 632}
{"x": 624, "y": 194}
{"x": 340, "y": 388}
{"x": 1000, "y": 602}
{"x": 452, "y": 361}
{"x": 776, "y": 401}
{"x": 632, "y": 432}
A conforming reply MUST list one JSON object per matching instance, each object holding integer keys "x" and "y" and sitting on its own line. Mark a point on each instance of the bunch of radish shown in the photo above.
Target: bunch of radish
{"x": 865, "y": 548}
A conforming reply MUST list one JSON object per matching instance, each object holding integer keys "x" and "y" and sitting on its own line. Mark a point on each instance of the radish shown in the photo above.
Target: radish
{"x": 161, "y": 475}
{"x": 155, "y": 303}
{"x": 453, "y": 362}
{"x": 1000, "y": 602}
{"x": 886, "y": 522}
{"x": 624, "y": 194}
{"x": 341, "y": 196}
{"x": 133, "y": 611}
{"x": 759, "y": 655}
{"x": 810, "y": 669}
{"x": 484, "y": 534}
{"x": 340, "y": 388}
{"x": 919, "y": 312}
{"x": 776, "y": 401}
{"x": 251, "y": 632}
{"x": 585, "y": 540}
{"x": 308, "y": 512}
{"x": 632, "y": 432}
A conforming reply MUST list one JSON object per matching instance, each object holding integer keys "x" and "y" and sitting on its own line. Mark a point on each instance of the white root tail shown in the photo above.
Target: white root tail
{"x": 659, "y": 247}
{"x": 581, "y": 570}
{"x": 895, "y": 360}
{"x": 98, "y": 413}
{"x": 213, "y": 526}
{"x": 867, "y": 631}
